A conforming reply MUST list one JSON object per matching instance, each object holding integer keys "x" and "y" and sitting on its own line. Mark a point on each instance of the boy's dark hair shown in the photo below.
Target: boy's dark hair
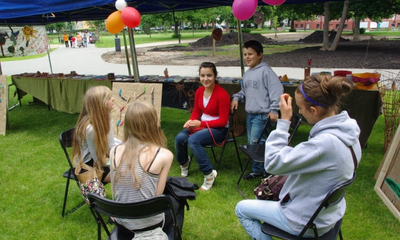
{"x": 256, "y": 45}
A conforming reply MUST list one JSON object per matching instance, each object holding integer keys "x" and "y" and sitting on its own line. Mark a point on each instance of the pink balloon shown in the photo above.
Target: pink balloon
{"x": 274, "y": 2}
{"x": 244, "y": 9}
{"x": 130, "y": 17}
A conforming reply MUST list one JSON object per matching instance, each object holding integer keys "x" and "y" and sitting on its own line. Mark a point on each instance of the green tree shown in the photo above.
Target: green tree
{"x": 97, "y": 25}
{"x": 375, "y": 10}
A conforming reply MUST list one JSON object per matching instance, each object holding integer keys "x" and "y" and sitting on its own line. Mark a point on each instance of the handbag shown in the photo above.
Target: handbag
{"x": 270, "y": 188}
{"x": 89, "y": 180}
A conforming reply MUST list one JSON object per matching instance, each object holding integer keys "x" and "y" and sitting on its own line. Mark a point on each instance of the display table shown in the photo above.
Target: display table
{"x": 62, "y": 94}
{"x": 65, "y": 95}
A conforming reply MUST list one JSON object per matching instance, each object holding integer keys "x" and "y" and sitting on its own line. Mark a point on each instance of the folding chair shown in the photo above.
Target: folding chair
{"x": 332, "y": 198}
{"x": 229, "y": 138}
{"x": 255, "y": 152}
{"x": 137, "y": 210}
{"x": 66, "y": 139}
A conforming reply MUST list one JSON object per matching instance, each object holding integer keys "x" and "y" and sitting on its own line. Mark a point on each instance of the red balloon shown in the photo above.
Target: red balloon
{"x": 274, "y": 2}
{"x": 114, "y": 23}
{"x": 130, "y": 17}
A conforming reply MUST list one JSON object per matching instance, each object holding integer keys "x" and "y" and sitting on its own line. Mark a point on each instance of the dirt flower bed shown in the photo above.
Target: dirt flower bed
{"x": 370, "y": 53}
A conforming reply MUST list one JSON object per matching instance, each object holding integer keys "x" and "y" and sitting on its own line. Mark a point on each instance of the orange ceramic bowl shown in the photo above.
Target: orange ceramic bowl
{"x": 366, "y": 78}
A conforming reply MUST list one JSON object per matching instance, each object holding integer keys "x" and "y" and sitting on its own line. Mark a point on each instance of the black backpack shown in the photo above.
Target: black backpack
{"x": 179, "y": 189}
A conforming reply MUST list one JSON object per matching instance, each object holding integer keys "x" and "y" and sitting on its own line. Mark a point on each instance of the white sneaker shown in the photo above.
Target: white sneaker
{"x": 185, "y": 170}
{"x": 209, "y": 181}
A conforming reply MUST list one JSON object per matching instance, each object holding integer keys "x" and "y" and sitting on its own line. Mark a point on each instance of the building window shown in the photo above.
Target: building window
{"x": 345, "y": 26}
{"x": 301, "y": 25}
{"x": 295, "y": 26}
{"x": 318, "y": 26}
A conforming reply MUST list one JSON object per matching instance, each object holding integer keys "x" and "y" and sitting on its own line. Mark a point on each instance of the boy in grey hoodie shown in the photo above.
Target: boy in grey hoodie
{"x": 261, "y": 90}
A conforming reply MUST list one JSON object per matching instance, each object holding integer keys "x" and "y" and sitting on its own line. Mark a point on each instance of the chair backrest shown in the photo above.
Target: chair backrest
{"x": 230, "y": 134}
{"x": 333, "y": 197}
{"x": 66, "y": 139}
{"x": 294, "y": 125}
{"x": 146, "y": 208}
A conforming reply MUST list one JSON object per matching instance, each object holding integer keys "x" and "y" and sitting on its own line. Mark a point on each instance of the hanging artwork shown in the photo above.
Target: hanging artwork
{"x": 23, "y": 41}
{"x": 126, "y": 93}
{"x": 3, "y": 104}
{"x": 388, "y": 183}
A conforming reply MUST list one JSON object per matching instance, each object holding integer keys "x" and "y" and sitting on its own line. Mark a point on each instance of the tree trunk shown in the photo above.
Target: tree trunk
{"x": 175, "y": 24}
{"x": 214, "y": 50}
{"x": 227, "y": 27}
{"x": 341, "y": 24}
{"x": 356, "y": 30}
{"x": 325, "y": 43}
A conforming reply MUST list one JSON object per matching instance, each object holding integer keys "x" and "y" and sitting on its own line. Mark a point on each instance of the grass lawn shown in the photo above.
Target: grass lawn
{"x": 33, "y": 187}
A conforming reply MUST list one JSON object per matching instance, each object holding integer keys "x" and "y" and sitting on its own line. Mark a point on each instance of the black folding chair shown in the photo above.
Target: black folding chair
{"x": 255, "y": 152}
{"x": 332, "y": 198}
{"x": 229, "y": 138}
{"x": 66, "y": 139}
{"x": 146, "y": 208}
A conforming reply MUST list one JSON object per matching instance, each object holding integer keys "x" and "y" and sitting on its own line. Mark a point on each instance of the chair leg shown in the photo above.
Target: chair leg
{"x": 65, "y": 198}
{"x": 340, "y": 234}
{"x": 238, "y": 155}
{"x": 220, "y": 157}
{"x": 240, "y": 178}
{"x": 213, "y": 153}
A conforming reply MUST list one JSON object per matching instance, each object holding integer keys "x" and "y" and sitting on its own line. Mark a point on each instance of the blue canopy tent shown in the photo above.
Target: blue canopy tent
{"x": 39, "y": 12}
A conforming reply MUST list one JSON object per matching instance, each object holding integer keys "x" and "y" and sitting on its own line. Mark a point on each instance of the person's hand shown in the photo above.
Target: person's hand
{"x": 190, "y": 124}
{"x": 273, "y": 116}
{"x": 285, "y": 106}
{"x": 186, "y": 125}
{"x": 234, "y": 105}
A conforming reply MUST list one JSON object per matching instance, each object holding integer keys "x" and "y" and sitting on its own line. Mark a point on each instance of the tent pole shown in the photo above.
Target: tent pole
{"x": 127, "y": 54}
{"x": 48, "y": 55}
{"x": 240, "y": 45}
{"x": 133, "y": 55}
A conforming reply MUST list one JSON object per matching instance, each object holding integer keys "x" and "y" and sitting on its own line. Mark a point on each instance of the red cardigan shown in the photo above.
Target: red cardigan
{"x": 219, "y": 105}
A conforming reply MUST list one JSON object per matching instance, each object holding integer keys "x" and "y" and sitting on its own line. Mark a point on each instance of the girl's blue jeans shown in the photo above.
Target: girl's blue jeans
{"x": 251, "y": 212}
{"x": 195, "y": 142}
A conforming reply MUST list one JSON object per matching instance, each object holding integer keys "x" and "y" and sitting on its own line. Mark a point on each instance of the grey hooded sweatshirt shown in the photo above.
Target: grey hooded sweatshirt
{"x": 261, "y": 90}
{"x": 314, "y": 168}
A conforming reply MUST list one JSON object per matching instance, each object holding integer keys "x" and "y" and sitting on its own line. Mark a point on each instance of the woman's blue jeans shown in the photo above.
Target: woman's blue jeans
{"x": 254, "y": 125}
{"x": 196, "y": 141}
{"x": 251, "y": 212}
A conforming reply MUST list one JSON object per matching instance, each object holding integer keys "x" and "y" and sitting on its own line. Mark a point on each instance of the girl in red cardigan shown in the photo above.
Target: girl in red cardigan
{"x": 210, "y": 113}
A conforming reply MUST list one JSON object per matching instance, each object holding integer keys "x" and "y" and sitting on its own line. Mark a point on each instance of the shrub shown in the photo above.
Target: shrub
{"x": 292, "y": 30}
{"x": 362, "y": 30}
{"x": 246, "y": 30}
{"x": 175, "y": 35}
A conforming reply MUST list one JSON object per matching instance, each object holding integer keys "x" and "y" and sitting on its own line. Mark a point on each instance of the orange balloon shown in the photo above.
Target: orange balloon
{"x": 114, "y": 22}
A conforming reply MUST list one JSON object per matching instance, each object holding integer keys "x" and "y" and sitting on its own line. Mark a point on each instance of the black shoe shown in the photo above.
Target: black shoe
{"x": 265, "y": 175}
{"x": 252, "y": 175}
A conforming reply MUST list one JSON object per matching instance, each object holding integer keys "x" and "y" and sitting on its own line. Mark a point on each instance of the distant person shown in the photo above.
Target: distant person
{"x": 85, "y": 39}
{"x": 393, "y": 27}
{"x": 313, "y": 167}
{"x": 79, "y": 42}
{"x": 207, "y": 124}
{"x": 139, "y": 170}
{"x": 73, "y": 41}
{"x": 65, "y": 39}
{"x": 94, "y": 131}
{"x": 260, "y": 90}
{"x": 70, "y": 39}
